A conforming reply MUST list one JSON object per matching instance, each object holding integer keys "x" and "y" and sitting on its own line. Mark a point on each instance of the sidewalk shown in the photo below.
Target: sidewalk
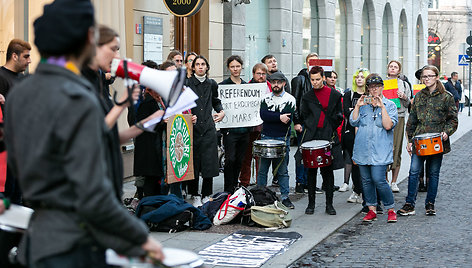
{"x": 313, "y": 228}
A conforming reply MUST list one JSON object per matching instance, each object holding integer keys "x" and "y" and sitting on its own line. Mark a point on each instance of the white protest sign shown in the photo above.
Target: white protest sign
{"x": 241, "y": 104}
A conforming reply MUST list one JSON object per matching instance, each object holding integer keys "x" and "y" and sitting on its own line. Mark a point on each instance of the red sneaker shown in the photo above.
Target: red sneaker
{"x": 392, "y": 216}
{"x": 371, "y": 216}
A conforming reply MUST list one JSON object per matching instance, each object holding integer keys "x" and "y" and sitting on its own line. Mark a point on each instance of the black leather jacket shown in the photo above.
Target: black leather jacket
{"x": 300, "y": 85}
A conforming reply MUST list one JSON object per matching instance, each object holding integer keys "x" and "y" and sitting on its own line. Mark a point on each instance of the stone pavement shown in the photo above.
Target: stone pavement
{"x": 314, "y": 228}
{"x": 414, "y": 241}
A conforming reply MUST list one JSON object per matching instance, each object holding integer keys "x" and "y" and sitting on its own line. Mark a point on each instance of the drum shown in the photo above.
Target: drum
{"x": 316, "y": 153}
{"x": 268, "y": 148}
{"x": 13, "y": 223}
{"x": 428, "y": 144}
{"x": 175, "y": 258}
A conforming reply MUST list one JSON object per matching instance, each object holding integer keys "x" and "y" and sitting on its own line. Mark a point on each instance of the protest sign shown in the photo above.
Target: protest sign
{"x": 241, "y": 104}
{"x": 391, "y": 91}
{"x": 179, "y": 148}
{"x": 417, "y": 88}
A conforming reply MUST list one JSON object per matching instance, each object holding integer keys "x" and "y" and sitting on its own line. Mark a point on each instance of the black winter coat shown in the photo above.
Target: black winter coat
{"x": 310, "y": 110}
{"x": 148, "y": 146}
{"x": 205, "y": 152}
{"x": 348, "y": 134}
{"x": 300, "y": 85}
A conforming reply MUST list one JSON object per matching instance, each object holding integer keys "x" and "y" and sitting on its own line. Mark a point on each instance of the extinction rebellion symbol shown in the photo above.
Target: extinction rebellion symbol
{"x": 179, "y": 147}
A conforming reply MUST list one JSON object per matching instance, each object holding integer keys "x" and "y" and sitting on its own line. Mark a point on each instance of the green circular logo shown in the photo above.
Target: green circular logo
{"x": 179, "y": 147}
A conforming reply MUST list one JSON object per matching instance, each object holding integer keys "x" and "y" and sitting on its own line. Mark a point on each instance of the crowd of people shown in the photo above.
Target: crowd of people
{"x": 63, "y": 142}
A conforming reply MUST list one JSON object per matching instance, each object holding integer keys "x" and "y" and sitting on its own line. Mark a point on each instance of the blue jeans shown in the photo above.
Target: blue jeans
{"x": 373, "y": 181}
{"x": 282, "y": 172}
{"x": 300, "y": 171}
{"x": 415, "y": 168}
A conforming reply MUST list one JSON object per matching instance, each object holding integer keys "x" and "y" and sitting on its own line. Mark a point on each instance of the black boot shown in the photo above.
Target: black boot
{"x": 310, "y": 209}
{"x": 329, "y": 204}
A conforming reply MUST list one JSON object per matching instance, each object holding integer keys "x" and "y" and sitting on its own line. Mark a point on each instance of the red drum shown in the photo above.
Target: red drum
{"x": 316, "y": 153}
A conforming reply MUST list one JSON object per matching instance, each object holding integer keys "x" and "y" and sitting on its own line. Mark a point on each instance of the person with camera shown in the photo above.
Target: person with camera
{"x": 375, "y": 117}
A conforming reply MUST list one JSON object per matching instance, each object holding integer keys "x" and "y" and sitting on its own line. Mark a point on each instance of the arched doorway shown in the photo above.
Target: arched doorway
{"x": 387, "y": 37}
{"x": 419, "y": 43}
{"x": 367, "y": 18}
{"x": 342, "y": 18}
{"x": 403, "y": 41}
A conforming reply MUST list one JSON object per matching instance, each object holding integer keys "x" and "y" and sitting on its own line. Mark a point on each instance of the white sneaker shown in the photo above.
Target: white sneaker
{"x": 205, "y": 199}
{"x": 344, "y": 187}
{"x": 197, "y": 201}
{"x": 354, "y": 198}
{"x": 395, "y": 188}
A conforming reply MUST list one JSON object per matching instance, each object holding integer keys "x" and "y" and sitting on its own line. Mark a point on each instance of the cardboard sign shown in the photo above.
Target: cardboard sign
{"x": 179, "y": 148}
{"x": 391, "y": 91}
{"x": 241, "y": 104}
{"x": 326, "y": 64}
{"x": 417, "y": 88}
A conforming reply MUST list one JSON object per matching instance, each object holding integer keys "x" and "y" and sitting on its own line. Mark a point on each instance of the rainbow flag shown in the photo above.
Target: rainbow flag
{"x": 391, "y": 91}
{"x": 417, "y": 88}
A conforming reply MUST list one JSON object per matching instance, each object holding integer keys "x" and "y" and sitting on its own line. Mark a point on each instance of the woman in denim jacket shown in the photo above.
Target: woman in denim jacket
{"x": 375, "y": 116}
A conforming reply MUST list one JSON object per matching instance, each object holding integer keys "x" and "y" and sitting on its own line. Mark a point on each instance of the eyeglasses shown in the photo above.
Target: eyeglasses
{"x": 376, "y": 86}
{"x": 261, "y": 74}
{"x": 425, "y": 77}
{"x": 178, "y": 60}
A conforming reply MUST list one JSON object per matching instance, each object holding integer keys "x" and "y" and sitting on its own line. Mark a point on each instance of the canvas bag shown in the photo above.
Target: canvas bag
{"x": 234, "y": 204}
{"x": 273, "y": 216}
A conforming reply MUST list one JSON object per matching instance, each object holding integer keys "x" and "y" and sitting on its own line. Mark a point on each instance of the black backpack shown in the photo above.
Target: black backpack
{"x": 212, "y": 207}
{"x": 176, "y": 223}
{"x": 263, "y": 196}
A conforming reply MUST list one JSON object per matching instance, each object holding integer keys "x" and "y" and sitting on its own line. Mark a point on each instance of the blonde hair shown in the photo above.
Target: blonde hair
{"x": 365, "y": 72}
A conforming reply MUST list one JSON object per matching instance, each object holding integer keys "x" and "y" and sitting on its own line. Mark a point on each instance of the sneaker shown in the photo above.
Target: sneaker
{"x": 422, "y": 188}
{"x": 344, "y": 187}
{"x": 205, "y": 199}
{"x": 406, "y": 210}
{"x": 395, "y": 188}
{"x": 392, "y": 216}
{"x": 379, "y": 209}
{"x": 275, "y": 183}
{"x": 365, "y": 209}
{"x": 197, "y": 201}
{"x": 354, "y": 198}
{"x": 300, "y": 188}
{"x": 430, "y": 211}
{"x": 318, "y": 190}
{"x": 286, "y": 202}
{"x": 371, "y": 216}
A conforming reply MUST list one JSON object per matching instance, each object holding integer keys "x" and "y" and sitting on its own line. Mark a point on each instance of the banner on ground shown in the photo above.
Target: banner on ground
{"x": 241, "y": 104}
{"x": 391, "y": 91}
{"x": 179, "y": 148}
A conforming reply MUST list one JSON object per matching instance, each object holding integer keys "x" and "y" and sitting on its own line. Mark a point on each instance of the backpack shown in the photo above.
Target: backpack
{"x": 273, "y": 216}
{"x": 176, "y": 223}
{"x": 263, "y": 196}
{"x": 232, "y": 206}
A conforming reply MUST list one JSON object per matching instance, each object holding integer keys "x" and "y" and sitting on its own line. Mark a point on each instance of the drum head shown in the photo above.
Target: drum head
{"x": 315, "y": 144}
{"x": 177, "y": 257}
{"x": 269, "y": 143}
{"x": 427, "y": 136}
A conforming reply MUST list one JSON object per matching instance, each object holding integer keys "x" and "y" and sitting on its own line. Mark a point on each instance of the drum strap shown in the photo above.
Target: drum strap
{"x": 276, "y": 169}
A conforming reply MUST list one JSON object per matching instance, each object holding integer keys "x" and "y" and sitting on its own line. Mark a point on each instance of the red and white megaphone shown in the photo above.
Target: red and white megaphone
{"x": 168, "y": 84}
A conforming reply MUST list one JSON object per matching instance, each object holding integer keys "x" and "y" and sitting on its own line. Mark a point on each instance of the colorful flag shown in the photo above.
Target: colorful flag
{"x": 391, "y": 91}
{"x": 326, "y": 64}
{"x": 417, "y": 88}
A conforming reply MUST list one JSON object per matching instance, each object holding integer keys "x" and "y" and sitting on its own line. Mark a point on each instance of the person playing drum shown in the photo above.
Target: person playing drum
{"x": 321, "y": 112}
{"x": 375, "y": 117}
{"x": 276, "y": 111}
{"x": 433, "y": 111}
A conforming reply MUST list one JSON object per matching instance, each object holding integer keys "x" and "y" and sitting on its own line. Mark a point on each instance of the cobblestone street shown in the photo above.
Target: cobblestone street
{"x": 443, "y": 240}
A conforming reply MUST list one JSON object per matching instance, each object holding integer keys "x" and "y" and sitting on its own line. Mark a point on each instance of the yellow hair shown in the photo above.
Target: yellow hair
{"x": 364, "y": 72}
